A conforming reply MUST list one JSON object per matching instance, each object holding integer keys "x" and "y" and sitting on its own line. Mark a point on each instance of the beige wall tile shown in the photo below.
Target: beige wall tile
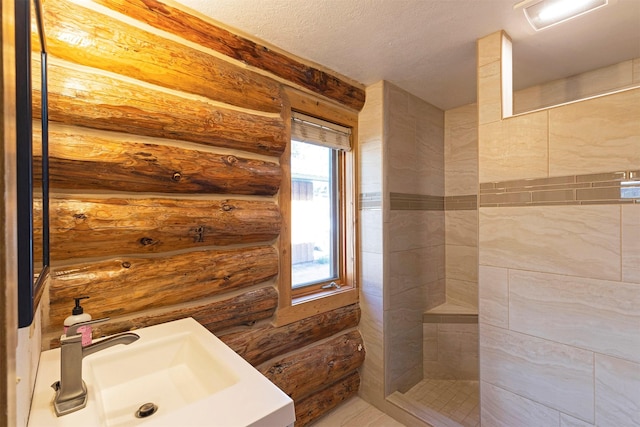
{"x": 370, "y": 163}
{"x": 402, "y": 162}
{"x": 457, "y": 352}
{"x": 371, "y": 329}
{"x": 414, "y": 268}
{"x": 617, "y": 392}
{"x": 430, "y": 342}
{"x": 540, "y": 370}
{"x": 462, "y": 263}
{"x": 597, "y": 315}
{"x": 370, "y": 140}
{"x": 575, "y": 240}
{"x": 597, "y": 135}
{"x": 461, "y": 133}
{"x": 575, "y": 87}
{"x": 489, "y": 48}
{"x": 461, "y": 177}
{"x": 462, "y": 292}
{"x": 415, "y": 229}
{"x": 501, "y": 408}
{"x": 514, "y": 148}
{"x": 636, "y": 70}
{"x": 461, "y": 228}
{"x": 631, "y": 243}
{"x": 569, "y": 421}
{"x": 489, "y": 93}
{"x": 493, "y": 296}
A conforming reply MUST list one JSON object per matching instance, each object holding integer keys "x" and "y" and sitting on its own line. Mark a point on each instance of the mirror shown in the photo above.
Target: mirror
{"x": 32, "y": 157}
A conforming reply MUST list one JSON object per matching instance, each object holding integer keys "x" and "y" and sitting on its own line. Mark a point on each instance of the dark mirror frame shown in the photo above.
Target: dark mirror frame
{"x": 30, "y": 281}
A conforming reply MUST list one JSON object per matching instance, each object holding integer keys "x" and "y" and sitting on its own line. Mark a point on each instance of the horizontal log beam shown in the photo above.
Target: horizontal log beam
{"x": 86, "y": 37}
{"x": 97, "y": 101}
{"x": 257, "y": 345}
{"x": 199, "y": 31}
{"x": 82, "y": 228}
{"x": 318, "y": 404}
{"x": 309, "y": 370}
{"x": 81, "y": 160}
{"x": 247, "y": 308}
{"x": 128, "y": 285}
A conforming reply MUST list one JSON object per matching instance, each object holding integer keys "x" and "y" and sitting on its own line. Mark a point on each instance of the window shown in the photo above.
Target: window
{"x": 318, "y": 238}
{"x": 317, "y": 147}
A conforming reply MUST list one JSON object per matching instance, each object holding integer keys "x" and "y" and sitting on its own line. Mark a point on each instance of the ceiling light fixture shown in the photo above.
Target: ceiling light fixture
{"x": 543, "y": 14}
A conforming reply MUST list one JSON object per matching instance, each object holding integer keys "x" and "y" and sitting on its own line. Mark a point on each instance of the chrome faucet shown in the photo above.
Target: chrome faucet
{"x": 71, "y": 391}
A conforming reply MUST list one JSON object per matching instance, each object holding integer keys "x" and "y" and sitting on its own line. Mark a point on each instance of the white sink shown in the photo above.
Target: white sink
{"x": 192, "y": 377}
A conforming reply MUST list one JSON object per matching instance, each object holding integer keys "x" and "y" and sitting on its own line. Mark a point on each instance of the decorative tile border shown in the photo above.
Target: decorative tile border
{"x": 602, "y": 188}
{"x": 461, "y": 203}
{"x": 416, "y": 202}
{"x": 419, "y": 202}
{"x": 449, "y": 318}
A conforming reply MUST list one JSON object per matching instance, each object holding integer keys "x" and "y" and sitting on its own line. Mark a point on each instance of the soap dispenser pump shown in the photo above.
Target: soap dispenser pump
{"x": 78, "y": 315}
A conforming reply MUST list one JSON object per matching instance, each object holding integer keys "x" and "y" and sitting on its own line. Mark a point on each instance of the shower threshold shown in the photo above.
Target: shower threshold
{"x": 442, "y": 403}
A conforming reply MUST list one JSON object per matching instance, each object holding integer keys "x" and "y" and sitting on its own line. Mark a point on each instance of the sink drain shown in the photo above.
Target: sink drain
{"x": 146, "y": 410}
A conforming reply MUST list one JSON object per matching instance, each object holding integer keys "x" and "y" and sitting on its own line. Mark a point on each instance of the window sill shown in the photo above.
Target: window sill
{"x": 316, "y": 303}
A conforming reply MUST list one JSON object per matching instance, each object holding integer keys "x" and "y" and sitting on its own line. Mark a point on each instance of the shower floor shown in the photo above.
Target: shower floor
{"x": 457, "y": 400}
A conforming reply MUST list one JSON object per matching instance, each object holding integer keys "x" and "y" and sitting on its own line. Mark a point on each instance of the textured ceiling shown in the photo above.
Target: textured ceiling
{"x": 427, "y": 47}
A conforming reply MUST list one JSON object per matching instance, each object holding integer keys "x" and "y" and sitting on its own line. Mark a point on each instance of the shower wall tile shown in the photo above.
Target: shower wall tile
{"x": 489, "y": 91}
{"x": 631, "y": 243}
{"x": 402, "y": 159}
{"x": 539, "y": 370}
{"x": 581, "y": 86}
{"x": 370, "y": 125}
{"x": 489, "y": 48}
{"x": 372, "y": 273}
{"x": 596, "y": 315}
{"x": 617, "y": 392}
{"x": 457, "y": 351}
{"x": 569, "y": 421}
{"x": 461, "y": 227}
{"x": 462, "y": 292}
{"x": 436, "y": 294}
{"x": 371, "y": 230}
{"x": 403, "y": 321}
{"x": 514, "y": 148}
{"x": 494, "y": 296}
{"x": 553, "y": 239}
{"x": 461, "y": 133}
{"x": 371, "y": 326}
{"x": 462, "y": 263}
{"x": 596, "y": 135}
{"x": 501, "y": 408}
{"x": 370, "y": 158}
{"x": 416, "y": 268}
{"x": 415, "y": 229}
{"x": 461, "y": 177}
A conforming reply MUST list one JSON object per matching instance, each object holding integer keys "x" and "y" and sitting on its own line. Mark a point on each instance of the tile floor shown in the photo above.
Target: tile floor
{"x": 355, "y": 412}
{"x": 458, "y": 400}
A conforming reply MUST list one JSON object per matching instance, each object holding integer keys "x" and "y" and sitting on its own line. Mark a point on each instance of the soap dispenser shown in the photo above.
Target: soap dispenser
{"x": 78, "y": 315}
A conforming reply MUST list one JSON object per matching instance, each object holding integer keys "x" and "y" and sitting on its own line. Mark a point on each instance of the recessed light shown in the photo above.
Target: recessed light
{"x": 543, "y": 14}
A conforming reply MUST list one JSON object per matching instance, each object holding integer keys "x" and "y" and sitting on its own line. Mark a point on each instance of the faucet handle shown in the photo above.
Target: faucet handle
{"x": 73, "y": 329}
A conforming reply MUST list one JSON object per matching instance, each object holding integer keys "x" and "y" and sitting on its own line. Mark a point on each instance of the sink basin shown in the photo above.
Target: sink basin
{"x": 191, "y": 376}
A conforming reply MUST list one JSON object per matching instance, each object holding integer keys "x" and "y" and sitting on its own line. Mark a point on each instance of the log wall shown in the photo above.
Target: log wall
{"x": 165, "y": 145}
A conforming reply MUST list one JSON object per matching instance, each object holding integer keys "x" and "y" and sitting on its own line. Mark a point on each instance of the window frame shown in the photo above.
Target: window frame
{"x": 296, "y": 304}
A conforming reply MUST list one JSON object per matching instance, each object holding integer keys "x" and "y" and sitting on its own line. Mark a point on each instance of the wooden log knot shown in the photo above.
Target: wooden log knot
{"x": 148, "y": 241}
{"x": 176, "y": 177}
{"x": 231, "y": 160}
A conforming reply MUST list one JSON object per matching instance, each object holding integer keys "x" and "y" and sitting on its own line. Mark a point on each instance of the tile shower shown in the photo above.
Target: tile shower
{"x": 419, "y": 239}
{"x": 420, "y": 192}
